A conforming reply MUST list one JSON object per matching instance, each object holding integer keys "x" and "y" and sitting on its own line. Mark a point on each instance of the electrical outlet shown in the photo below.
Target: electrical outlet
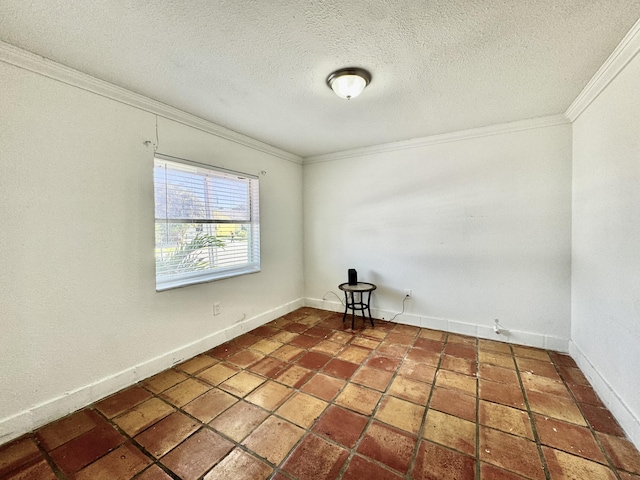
{"x": 216, "y": 308}
{"x": 407, "y": 292}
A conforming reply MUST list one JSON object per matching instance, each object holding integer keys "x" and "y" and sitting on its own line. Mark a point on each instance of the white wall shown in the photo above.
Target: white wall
{"x": 479, "y": 229}
{"x": 605, "y": 328}
{"x": 79, "y": 314}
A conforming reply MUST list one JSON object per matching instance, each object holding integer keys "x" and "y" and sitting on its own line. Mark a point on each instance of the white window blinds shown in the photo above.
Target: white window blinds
{"x": 207, "y": 223}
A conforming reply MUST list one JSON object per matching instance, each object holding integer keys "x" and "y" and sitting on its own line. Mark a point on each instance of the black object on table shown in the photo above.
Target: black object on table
{"x": 355, "y": 299}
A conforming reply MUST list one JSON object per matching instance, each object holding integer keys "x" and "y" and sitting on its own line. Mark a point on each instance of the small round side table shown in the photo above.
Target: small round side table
{"x": 355, "y": 299}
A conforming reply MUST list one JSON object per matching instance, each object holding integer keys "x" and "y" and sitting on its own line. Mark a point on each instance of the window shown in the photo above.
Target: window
{"x": 207, "y": 223}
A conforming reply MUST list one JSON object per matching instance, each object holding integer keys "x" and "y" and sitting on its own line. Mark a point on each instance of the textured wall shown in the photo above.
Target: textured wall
{"x": 479, "y": 229}
{"x": 605, "y": 326}
{"x": 78, "y": 308}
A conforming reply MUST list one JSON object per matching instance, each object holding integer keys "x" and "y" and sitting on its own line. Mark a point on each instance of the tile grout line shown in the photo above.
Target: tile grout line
{"x": 612, "y": 467}
{"x": 536, "y": 437}
{"x": 423, "y": 423}
{"x": 307, "y": 431}
{"x": 353, "y": 451}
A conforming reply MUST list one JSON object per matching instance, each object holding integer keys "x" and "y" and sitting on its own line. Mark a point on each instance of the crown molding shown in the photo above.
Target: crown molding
{"x": 502, "y": 128}
{"x": 35, "y": 63}
{"x": 626, "y": 50}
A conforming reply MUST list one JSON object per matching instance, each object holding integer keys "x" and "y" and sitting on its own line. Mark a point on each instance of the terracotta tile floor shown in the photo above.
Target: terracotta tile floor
{"x": 305, "y": 398}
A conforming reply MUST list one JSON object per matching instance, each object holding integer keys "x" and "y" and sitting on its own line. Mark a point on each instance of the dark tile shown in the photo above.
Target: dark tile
{"x": 264, "y": 331}
{"x": 296, "y": 327}
{"x": 491, "y": 472}
{"x": 585, "y": 394}
{"x": 438, "y": 463}
{"x": 246, "y": 340}
{"x": 167, "y": 433}
{"x": 304, "y": 341}
{"x": 510, "y": 452}
{"x": 381, "y": 362}
{"x": 197, "y": 454}
{"x": 223, "y": 351}
{"x": 573, "y": 375}
{"x": 16, "y": 454}
{"x": 628, "y": 476}
{"x": 622, "y": 452}
{"x": 563, "y": 465}
{"x": 154, "y": 472}
{"x": 315, "y": 459}
{"x": 239, "y": 465}
{"x": 360, "y": 468}
{"x": 454, "y": 403}
{"x": 319, "y": 332}
{"x": 503, "y": 393}
{"x": 562, "y": 359}
{"x": 67, "y": 428}
{"x": 123, "y": 463}
{"x": 84, "y": 449}
{"x": 388, "y": 445}
{"x": 460, "y": 350}
{"x": 122, "y": 401}
{"x": 340, "y": 368}
{"x": 341, "y": 426}
{"x": 313, "y": 360}
{"x": 38, "y": 471}
{"x": 428, "y": 344}
{"x": 323, "y": 386}
{"x": 574, "y": 439}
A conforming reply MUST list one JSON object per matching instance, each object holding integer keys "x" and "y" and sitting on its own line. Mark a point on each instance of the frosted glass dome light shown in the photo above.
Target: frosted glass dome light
{"x": 348, "y": 83}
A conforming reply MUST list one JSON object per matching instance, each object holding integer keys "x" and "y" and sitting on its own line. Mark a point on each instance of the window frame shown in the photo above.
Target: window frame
{"x": 253, "y": 264}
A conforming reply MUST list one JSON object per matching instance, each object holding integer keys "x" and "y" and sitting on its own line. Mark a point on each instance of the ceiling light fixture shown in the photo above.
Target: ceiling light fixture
{"x": 348, "y": 83}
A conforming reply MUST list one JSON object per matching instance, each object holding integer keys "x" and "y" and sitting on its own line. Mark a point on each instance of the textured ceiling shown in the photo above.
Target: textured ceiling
{"x": 259, "y": 67}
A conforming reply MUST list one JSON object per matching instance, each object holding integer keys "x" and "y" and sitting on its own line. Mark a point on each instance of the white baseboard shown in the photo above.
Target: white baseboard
{"x": 27, "y": 420}
{"x": 518, "y": 337}
{"x": 616, "y": 405}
